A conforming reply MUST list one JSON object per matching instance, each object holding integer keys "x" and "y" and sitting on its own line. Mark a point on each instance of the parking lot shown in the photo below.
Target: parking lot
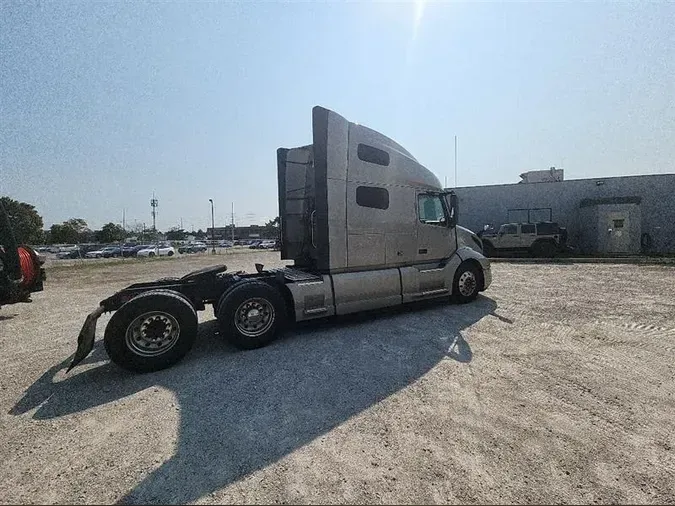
{"x": 556, "y": 385}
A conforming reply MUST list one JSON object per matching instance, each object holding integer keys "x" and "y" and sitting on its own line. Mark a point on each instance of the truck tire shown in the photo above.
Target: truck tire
{"x": 467, "y": 282}
{"x": 544, "y": 249}
{"x": 152, "y": 331}
{"x": 250, "y": 314}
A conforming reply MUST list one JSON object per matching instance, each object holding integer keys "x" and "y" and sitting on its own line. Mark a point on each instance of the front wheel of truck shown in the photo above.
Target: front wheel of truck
{"x": 152, "y": 331}
{"x": 250, "y": 314}
{"x": 467, "y": 282}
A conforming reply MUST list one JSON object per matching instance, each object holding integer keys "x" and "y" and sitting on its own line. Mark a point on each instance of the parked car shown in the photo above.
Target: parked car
{"x": 225, "y": 244}
{"x": 70, "y": 254}
{"x": 97, "y": 253}
{"x": 542, "y": 239}
{"x": 129, "y": 250}
{"x": 112, "y": 251}
{"x": 255, "y": 244}
{"x": 267, "y": 245}
{"x": 193, "y": 247}
{"x": 162, "y": 250}
{"x": 139, "y": 247}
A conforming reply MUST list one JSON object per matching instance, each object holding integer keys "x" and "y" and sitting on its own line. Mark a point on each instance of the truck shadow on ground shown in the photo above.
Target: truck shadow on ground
{"x": 242, "y": 411}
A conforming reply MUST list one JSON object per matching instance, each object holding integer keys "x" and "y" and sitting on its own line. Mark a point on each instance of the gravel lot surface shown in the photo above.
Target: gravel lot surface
{"x": 556, "y": 385}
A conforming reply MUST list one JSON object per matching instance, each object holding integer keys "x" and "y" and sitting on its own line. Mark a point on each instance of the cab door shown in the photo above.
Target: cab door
{"x": 433, "y": 233}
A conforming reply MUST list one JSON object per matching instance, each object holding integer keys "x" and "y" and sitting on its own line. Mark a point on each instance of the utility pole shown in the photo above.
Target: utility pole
{"x": 233, "y": 223}
{"x": 124, "y": 219}
{"x": 153, "y": 204}
{"x": 213, "y": 230}
{"x": 455, "y": 161}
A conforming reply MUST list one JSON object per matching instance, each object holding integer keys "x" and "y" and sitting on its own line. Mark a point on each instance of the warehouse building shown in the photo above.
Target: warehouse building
{"x": 613, "y": 215}
{"x": 250, "y": 232}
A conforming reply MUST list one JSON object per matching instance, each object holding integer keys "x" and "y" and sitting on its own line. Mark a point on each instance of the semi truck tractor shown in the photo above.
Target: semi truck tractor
{"x": 365, "y": 225}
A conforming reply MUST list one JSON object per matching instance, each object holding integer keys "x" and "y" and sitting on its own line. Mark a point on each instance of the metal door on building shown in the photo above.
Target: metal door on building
{"x": 618, "y": 232}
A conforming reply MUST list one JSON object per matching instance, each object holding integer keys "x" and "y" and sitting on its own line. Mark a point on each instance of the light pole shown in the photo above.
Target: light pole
{"x": 213, "y": 230}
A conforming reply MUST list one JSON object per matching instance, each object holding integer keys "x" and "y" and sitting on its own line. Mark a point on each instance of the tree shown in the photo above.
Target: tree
{"x": 26, "y": 222}
{"x": 272, "y": 223}
{"x": 272, "y": 228}
{"x": 110, "y": 232}
{"x": 71, "y": 231}
{"x": 200, "y": 234}
{"x": 175, "y": 234}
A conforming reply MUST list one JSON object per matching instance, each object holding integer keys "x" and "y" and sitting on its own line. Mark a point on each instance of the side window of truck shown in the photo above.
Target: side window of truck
{"x": 372, "y": 154}
{"x": 372, "y": 196}
{"x": 431, "y": 211}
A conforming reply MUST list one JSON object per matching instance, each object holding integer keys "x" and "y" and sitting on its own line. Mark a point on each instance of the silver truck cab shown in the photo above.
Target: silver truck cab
{"x": 371, "y": 224}
{"x": 366, "y": 227}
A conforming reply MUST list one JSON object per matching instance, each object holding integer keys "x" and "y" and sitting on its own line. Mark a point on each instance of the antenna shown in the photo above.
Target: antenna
{"x": 154, "y": 203}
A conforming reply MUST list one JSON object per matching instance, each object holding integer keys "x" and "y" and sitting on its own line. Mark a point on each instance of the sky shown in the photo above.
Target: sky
{"x": 102, "y": 104}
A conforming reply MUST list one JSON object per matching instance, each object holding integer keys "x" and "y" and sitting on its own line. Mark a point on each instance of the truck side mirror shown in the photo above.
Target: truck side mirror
{"x": 452, "y": 219}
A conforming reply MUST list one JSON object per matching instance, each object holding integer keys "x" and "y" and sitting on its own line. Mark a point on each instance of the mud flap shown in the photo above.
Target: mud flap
{"x": 85, "y": 341}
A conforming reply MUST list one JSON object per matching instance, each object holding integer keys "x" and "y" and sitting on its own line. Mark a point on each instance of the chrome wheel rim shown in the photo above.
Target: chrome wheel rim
{"x": 152, "y": 334}
{"x": 467, "y": 283}
{"x": 254, "y": 317}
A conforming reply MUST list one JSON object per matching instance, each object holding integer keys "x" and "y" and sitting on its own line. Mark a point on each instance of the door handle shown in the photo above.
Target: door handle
{"x": 422, "y": 251}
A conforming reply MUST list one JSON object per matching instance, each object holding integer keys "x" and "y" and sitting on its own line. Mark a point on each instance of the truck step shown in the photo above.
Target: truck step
{"x": 296, "y": 276}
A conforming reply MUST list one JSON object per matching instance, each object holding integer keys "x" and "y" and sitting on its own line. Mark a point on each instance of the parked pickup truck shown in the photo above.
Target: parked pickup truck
{"x": 366, "y": 226}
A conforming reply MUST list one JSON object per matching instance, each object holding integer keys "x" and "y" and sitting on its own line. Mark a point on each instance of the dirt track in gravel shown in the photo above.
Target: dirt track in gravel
{"x": 556, "y": 385}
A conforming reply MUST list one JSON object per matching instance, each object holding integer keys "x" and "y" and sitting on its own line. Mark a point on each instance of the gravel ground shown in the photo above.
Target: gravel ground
{"x": 556, "y": 385}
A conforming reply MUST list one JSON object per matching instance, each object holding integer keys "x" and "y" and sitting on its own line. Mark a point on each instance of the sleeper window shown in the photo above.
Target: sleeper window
{"x": 371, "y": 196}
{"x": 372, "y": 155}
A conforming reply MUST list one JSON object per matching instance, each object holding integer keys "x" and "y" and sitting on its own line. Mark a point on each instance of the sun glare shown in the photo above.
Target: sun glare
{"x": 419, "y": 12}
